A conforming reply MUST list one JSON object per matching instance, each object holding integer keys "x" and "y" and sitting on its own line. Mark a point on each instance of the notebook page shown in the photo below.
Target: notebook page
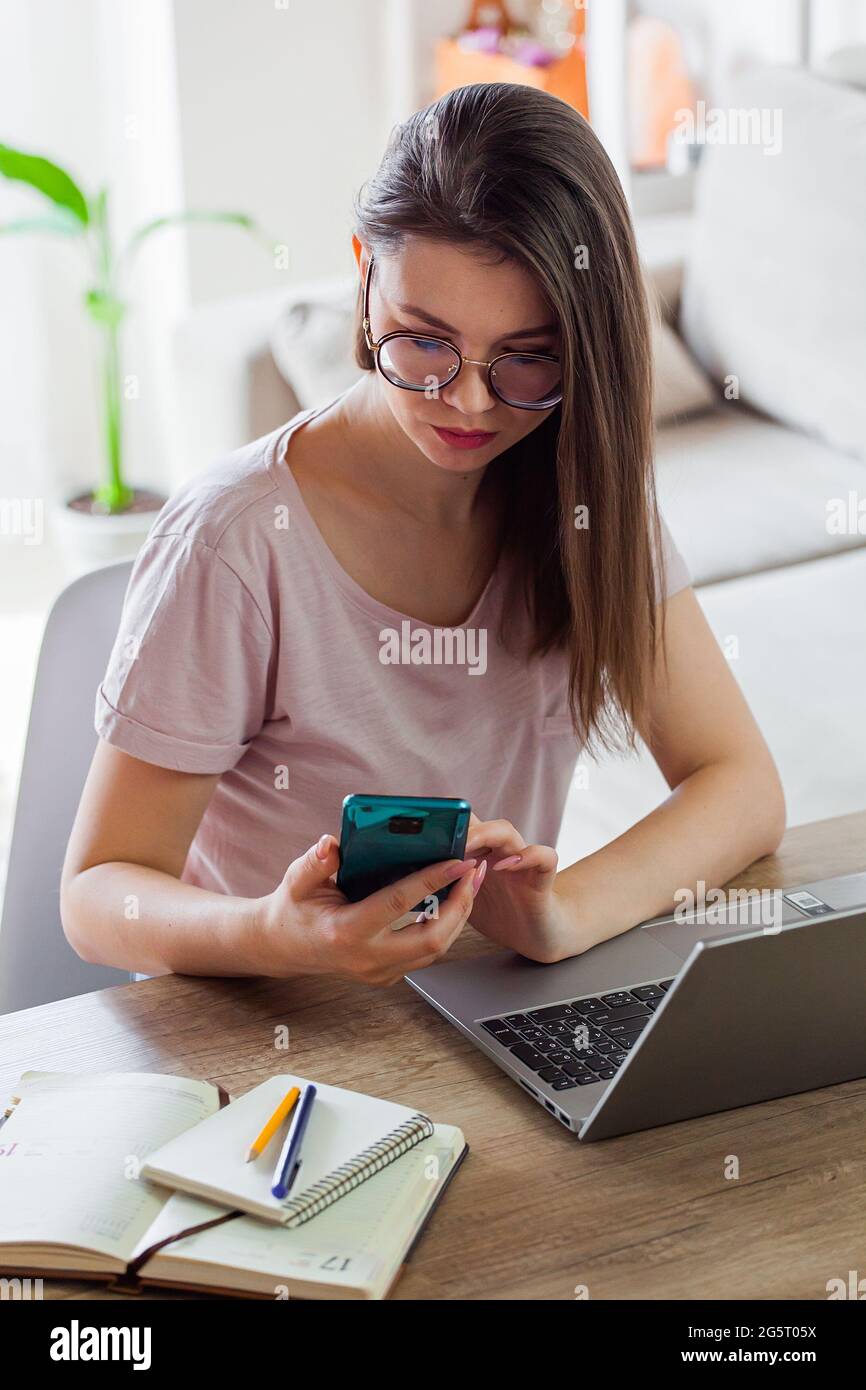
{"x": 210, "y": 1162}
{"x": 357, "y": 1243}
{"x": 71, "y": 1149}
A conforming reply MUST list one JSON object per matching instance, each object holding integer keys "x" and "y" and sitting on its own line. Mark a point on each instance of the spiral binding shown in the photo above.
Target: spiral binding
{"x": 350, "y": 1175}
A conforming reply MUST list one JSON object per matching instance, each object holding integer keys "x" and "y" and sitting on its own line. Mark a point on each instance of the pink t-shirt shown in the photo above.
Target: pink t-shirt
{"x": 245, "y": 649}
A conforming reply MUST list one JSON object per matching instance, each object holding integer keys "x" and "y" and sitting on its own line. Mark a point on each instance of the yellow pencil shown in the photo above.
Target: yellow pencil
{"x": 259, "y": 1145}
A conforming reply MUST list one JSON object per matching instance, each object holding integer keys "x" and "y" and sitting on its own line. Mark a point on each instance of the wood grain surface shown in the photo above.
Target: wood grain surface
{"x": 532, "y": 1214}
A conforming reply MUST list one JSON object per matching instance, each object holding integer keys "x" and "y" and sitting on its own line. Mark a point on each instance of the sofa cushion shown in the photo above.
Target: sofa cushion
{"x": 680, "y": 387}
{"x": 312, "y": 344}
{"x": 742, "y": 493}
{"x": 774, "y": 290}
{"x": 845, "y": 65}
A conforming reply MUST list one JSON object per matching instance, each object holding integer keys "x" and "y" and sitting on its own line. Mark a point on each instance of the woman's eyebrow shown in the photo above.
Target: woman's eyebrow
{"x": 449, "y": 328}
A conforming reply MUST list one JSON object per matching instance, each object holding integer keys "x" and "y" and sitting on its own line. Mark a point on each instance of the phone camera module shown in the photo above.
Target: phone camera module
{"x": 405, "y": 825}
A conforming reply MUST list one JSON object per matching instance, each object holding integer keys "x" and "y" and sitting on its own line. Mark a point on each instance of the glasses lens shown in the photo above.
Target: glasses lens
{"x": 524, "y": 380}
{"x": 417, "y": 362}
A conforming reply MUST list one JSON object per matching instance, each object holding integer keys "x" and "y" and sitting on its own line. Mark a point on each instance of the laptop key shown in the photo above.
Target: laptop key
{"x": 665, "y": 984}
{"x": 547, "y": 1045}
{"x": 625, "y": 1040}
{"x": 563, "y": 1031}
{"x": 606, "y": 1075}
{"x": 646, "y": 992}
{"x": 585, "y": 1032}
{"x": 496, "y": 1026}
{"x": 532, "y": 1034}
{"x": 602, "y": 1017}
{"x": 550, "y": 1014}
{"x": 565, "y": 1084}
{"x": 549, "y": 1074}
{"x": 518, "y": 1020}
{"x": 589, "y": 1080}
{"x": 575, "y": 1069}
{"x": 595, "y": 1062}
{"x": 583, "y": 1006}
{"x": 605, "y": 1048}
{"x": 559, "y": 1057}
{"x": 526, "y": 1053}
{"x": 628, "y": 1025}
{"x": 616, "y": 1059}
{"x": 617, "y": 1000}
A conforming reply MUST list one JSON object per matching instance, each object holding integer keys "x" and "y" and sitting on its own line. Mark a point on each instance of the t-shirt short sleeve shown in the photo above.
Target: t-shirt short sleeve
{"x": 676, "y": 572}
{"x": 187, "y": 680}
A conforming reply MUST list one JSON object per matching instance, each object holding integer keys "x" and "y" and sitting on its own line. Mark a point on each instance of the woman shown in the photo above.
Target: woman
{"x": 488, "y": 479}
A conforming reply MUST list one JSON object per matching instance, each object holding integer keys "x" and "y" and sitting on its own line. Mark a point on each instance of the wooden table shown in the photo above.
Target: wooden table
{"x": 533, "y": 1213}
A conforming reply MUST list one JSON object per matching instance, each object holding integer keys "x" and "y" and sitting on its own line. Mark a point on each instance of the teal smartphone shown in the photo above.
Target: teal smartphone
{"x": 383, "y": 838}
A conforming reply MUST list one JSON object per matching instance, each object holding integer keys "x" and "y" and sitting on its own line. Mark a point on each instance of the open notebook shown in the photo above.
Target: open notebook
{"x": 73, "y": 1200}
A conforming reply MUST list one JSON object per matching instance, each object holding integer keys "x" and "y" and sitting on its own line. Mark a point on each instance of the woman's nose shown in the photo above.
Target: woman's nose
{"x": 470, "y": 391}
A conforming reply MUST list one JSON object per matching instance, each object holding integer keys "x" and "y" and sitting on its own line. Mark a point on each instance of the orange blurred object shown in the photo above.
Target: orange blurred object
{"x": 658, "y": 87}
{"x": 480, "y": 16}
{"x": 565, "y": 77}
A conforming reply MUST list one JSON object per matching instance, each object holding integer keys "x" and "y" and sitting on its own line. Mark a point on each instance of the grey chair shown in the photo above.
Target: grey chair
{"x": 37, "y": 965}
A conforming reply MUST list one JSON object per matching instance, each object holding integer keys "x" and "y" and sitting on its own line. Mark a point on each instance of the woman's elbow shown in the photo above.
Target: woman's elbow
{"x": 772, "y": 815}
{"x": 73, "y": 917}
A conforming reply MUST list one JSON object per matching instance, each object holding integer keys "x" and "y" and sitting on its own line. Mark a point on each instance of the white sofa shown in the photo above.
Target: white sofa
{"x": 772, "y": 292}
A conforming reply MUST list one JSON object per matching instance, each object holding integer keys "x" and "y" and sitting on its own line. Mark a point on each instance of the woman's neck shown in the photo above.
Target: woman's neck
{"x": 377, "y": 457}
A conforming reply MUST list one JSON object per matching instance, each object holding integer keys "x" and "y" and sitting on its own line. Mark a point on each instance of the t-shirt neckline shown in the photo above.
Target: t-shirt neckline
{"x": 384, "y": 615}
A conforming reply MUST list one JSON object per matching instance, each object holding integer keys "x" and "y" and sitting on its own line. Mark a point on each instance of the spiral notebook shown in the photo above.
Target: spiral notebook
{"x": 350, "y": 1137}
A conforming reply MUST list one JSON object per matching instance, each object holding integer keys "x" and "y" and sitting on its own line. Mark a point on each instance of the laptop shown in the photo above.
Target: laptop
{"x": 681, "y": 1016}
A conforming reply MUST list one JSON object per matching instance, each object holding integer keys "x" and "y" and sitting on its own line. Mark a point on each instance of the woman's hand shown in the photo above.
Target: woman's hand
{"x": 307, "y": 926}
{"x": 518, "y": 905}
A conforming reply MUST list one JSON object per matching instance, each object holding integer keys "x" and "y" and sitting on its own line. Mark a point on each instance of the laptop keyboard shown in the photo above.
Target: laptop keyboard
{"x": 581, "y": 1041}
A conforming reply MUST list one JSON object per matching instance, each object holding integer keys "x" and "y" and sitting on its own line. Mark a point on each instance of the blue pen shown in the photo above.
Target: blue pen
{"x": 289, "y": 1160}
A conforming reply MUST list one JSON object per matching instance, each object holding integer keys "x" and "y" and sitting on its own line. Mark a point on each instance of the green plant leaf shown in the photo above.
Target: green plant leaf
{"x": 60, "y": 221}
{"x": 177, "y": 219}
{"x": 47, "y": 178}
{"x": 103, "y": 308}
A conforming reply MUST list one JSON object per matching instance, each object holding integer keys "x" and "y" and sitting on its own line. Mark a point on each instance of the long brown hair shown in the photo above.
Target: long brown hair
{"x": 520, "y": 174}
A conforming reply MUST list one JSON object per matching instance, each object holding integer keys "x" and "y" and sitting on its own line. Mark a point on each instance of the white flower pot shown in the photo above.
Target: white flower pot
{"x": 88, "y": 540}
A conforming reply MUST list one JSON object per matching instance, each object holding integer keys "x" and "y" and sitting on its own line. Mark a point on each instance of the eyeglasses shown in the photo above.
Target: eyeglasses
{"x": 415, "y": 362}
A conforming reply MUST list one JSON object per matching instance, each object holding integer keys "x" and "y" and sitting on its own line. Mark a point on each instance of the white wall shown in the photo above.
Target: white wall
{"x": 284, "y": 114}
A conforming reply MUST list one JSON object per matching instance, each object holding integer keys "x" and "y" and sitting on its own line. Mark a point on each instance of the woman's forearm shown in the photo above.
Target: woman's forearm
{"x": 716, "y": 822}
{"x": 144, "y": 920}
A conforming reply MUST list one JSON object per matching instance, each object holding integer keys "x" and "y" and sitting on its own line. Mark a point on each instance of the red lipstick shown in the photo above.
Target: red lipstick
{"x": 465, "y": 439}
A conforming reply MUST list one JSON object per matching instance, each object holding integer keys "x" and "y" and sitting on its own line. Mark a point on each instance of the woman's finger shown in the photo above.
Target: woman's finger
{"x": 384, "y": 907}
{"x": 494, "y": 834}
{"x": 540, "y": 857}
{"x": 434, "y": 936}
{"x": 310, "y": 870}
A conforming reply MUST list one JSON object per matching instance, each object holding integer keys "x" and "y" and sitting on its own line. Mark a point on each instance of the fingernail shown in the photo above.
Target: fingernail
{"x": 458, "y": 869}
{"x": 478, "y": 877}
{"x": 506, "y": 863}
{"x": 322, "y": 847}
